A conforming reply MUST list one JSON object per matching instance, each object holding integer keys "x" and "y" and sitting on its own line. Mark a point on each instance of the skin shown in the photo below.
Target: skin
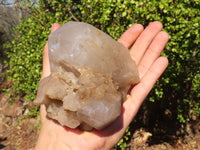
{"x": 146, "y": 46}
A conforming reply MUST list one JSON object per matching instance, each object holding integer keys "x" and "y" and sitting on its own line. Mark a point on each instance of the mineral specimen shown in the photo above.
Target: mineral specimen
{"x": 90, "y": 77}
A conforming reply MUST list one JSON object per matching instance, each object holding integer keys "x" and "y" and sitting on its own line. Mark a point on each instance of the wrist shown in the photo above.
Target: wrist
{"x": 49, "y": 140}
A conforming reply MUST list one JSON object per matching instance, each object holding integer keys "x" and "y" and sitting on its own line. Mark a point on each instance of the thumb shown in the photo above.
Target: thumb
{"x": 54, "y": 27}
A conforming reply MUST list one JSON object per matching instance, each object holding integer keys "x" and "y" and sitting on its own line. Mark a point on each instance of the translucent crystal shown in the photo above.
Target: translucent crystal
{"x": 90, "y": 77}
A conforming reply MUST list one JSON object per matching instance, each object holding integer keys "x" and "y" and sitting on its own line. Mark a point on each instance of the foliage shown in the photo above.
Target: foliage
{"x": 26, "y": 49}
{"x": 177, "y": 90}
{"x": 122, "y": 144}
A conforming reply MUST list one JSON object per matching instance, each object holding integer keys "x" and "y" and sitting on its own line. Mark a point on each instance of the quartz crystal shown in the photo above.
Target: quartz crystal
{"x": 91, "y": 74}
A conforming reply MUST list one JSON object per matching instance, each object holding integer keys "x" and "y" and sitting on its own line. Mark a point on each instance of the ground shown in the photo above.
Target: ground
{"x": 16, "y": 132}
{"x": 20, "y": 133}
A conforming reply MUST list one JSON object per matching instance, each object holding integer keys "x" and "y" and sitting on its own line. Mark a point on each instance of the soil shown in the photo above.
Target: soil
{"x": 16, "y": 132}
{"x": 20, "y": 133}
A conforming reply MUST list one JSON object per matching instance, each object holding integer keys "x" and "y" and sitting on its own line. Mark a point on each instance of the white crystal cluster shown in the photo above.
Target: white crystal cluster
{"x": 90, "y": 77}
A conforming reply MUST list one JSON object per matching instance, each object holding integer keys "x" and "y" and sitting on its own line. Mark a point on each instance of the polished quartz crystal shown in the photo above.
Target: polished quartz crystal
{"x": 91, "y": 74}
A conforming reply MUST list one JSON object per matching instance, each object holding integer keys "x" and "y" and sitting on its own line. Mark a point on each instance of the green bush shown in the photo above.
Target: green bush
{"x": 179, "y": 87}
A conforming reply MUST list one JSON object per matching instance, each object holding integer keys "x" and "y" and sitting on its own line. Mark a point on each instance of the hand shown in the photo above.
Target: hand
{"x": 147, "y": 46}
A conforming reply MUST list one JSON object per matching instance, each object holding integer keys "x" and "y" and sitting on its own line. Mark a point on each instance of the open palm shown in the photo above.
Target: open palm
{"x": 146, "y": 47}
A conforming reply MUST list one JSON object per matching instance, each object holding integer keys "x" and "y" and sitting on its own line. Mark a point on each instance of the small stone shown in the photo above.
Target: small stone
{"x": 91, "y": 74}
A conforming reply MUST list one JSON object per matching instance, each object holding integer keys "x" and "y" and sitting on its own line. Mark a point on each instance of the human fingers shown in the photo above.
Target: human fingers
{"x": 129, "y": 36}
{"x": 46, "y": 65}
{"x": 142, "y": 89}
{"x": 134, "y": 101}
{"x": 55, "y": 26}
{"x": 153, "y": 52}
{"x": 144, "y": 40}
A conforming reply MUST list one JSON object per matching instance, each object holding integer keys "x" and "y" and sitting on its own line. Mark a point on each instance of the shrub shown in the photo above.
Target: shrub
{"x": 177, "y": 90}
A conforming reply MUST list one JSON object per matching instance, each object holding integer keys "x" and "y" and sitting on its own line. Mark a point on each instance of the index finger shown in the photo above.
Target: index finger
{"x": 144, "y": 40}
{"x": 130, "y": 35}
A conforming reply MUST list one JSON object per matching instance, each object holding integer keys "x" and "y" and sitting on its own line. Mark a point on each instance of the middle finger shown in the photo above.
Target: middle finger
{"x": 153, "y": 52}
{"x": 144, "y": 40}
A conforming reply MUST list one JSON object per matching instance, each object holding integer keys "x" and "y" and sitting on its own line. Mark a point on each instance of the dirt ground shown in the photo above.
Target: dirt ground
{"x": 18, "y": 133}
